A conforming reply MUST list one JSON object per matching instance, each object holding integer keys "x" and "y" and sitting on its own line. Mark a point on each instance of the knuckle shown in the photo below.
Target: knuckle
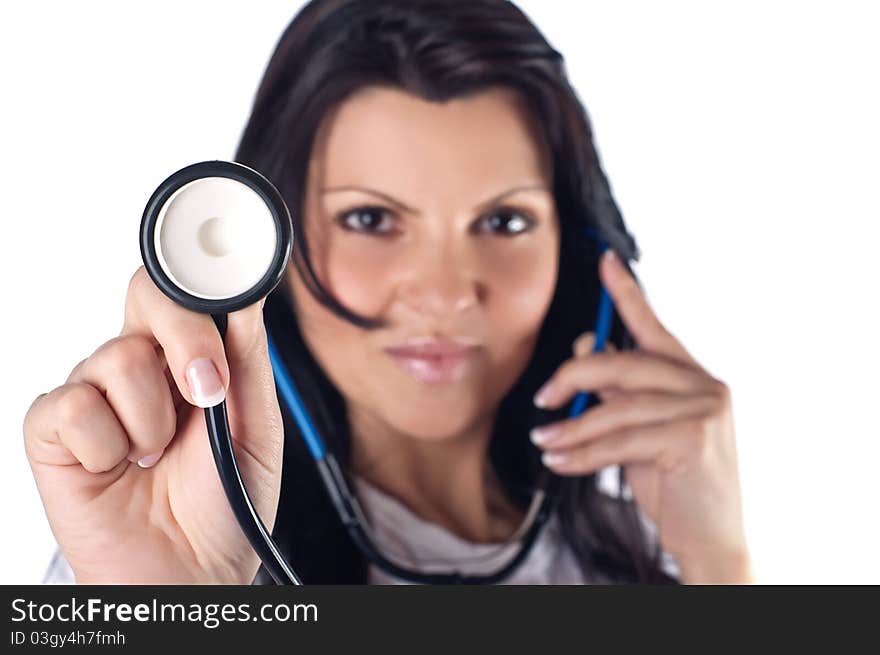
{"x": 77, "y": 403}
{"x": 256, "y": 346}
{"x": 597, "y": 454}
{"x": 701, "y": 433}
{"x": 629, "y": 404}
{"x": 129, "y": 356}
{"x": 29, "y": 416}
{"x": 568, "y": 368}
{"x": 704, "y": 425}
{"x": 76, "y": 369}
{"x": 99, "y": 460}
{"x": 135, "y": 290}
{"x": 719, "y": 399}
{"x": 660, "y": 328}
{"x": 563, "y": 376}
{"x": 136, "y": 281}
{"x": 630, "y": 361}
{"x": 90, "y": 466}
{"x": 585, "y": 458}
{"x": 634, "y": 357}
{"x": 721, "y": 391}
{"x": 623, "y": 433}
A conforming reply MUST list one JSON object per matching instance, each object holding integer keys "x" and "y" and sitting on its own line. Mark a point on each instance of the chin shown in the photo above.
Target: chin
{"x": 435, "y": 417}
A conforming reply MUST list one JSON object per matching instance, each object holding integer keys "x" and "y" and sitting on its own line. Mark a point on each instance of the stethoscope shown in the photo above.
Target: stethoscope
{"x": 217, "y": 237}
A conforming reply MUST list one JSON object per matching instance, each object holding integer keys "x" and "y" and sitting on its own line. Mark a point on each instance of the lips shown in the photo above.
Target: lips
{"x": 435, "y": 360}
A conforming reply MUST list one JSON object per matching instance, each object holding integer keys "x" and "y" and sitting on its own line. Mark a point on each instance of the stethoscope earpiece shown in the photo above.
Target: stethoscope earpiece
{"x": 216, "y": 237}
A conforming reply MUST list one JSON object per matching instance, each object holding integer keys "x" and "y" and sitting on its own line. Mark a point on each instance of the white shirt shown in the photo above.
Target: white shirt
{"x": 426, "y": 546}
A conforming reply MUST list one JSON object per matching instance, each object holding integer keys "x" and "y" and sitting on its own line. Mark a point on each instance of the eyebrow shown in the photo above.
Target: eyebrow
{"x": 401, "y": 205}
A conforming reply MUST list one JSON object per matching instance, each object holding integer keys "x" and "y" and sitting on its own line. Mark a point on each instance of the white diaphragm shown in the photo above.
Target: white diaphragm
{"x": 215, "y": 238}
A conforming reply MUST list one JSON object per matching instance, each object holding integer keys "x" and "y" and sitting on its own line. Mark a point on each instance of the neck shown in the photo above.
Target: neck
{"x": 447, "y": 481}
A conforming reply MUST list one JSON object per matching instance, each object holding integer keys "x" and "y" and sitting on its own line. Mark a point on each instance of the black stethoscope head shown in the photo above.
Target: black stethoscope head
{"x": 216, "y": 237}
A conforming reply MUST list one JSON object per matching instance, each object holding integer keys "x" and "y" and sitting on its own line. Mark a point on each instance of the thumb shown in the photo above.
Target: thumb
{"x": 251, "y": 400}
{"x": 245, "y": 335}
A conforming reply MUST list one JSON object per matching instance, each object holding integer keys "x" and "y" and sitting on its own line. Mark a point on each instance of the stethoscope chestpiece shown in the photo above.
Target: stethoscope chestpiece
{"x": 216, "y": 237}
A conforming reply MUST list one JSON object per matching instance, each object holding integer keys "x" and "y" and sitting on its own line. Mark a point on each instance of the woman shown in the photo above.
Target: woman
{"x": 441, "y": 174}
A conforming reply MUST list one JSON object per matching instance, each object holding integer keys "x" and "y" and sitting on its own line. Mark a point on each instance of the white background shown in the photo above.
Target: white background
{"x": 741, "y": 141}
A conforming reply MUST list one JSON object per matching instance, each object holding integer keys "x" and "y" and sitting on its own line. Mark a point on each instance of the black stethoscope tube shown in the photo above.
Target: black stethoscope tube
{"x": 267, "y": 550}
{"x": 347, "y": 508}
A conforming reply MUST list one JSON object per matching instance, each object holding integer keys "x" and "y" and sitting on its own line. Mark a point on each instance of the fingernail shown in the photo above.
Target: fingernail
{"x": 147, "y": 461}
{"x": 583, "y": 345}
{"x": 544, "y": 433}
{"x": 543, "y": 396}
{"x": 553, "y": 459}
{"x": 204, "y": 383}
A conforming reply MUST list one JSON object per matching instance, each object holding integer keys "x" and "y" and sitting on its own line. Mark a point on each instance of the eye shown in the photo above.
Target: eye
{"x": 507, "y": 222}
{"x": 366, "y": 219}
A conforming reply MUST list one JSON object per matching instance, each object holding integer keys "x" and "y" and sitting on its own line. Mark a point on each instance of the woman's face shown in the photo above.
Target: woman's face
{"x": 438, "y": 219}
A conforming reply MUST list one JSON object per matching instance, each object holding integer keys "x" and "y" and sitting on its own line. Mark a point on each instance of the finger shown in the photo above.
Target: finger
{"x": 254, "y": 411}
{"x": 624, "y": 411}
{"x": 208, "y": 369}
{"x": 629, "y": 370}
{"x": 663, "y": 443}
{"x": 606, "y": 395}
{"x": 177, "y": 398}
{"x": 73, "y": 424}
{"x": 191, "y": 343}
{"x": 635, "y": 311}
{"x": 583, "y": 345}
{"x": 128, "y": 372}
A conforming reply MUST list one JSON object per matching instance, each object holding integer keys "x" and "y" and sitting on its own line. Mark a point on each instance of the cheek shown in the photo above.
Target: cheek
{"x": 520, "y": 289}
{"x": 361, "y": 275}
{"x": 358, "y": 279}
{"x": 337, "y": 345}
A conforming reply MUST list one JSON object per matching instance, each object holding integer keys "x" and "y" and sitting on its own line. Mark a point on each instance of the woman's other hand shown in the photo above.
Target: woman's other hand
{"x": 669, "y": 423}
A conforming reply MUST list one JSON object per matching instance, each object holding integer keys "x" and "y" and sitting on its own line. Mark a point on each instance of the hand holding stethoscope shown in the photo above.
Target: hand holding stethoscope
{"x": 215, "y": 239}
{"x": 669, "y": 423}
{"x": 133, "y": 398}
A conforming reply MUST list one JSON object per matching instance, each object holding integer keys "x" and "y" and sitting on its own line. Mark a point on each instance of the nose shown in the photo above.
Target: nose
{"x": 441, "y": 281}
